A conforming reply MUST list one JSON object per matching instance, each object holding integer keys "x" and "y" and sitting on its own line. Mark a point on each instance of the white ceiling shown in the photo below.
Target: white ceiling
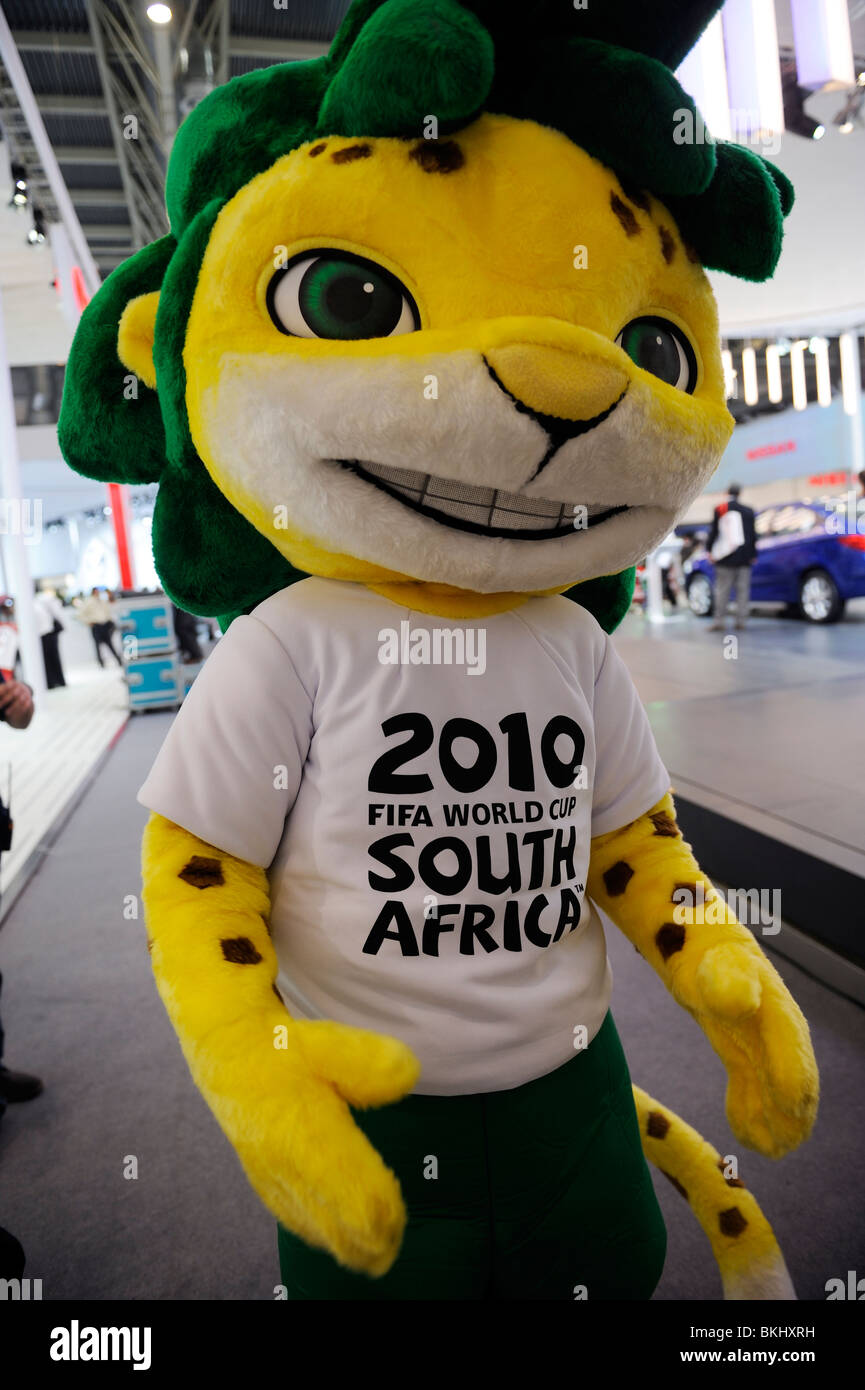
{"x": 819, "y": 285}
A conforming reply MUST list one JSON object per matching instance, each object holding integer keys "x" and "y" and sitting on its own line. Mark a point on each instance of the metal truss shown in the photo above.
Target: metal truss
{"x": 150, "y": 78}
{"x": 130, "y": 84}
{"x": 29, "y": 146}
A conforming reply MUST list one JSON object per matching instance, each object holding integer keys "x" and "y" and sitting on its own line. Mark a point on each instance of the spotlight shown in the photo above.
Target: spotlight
{"x": 796, "y": 117}
{"x": 159, "y": 14}
{"x": 20, "y": 196}
{"x": 37, "y": 231}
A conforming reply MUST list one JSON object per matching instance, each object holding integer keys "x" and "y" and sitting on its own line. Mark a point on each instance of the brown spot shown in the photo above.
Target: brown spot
{"x": 617, "y": 878}
{"x": 670, "y": 939}
{"x": 438, "y": 156}
{"x": 625, "y": 215}
{"x": 691, "y": 253}
{"x": 657, "y": 1125}
{"x": 668, "y": 245}
{"x": 678, "y": 1186}
{"x": 318, "y": 149}
{"x": 731, "y": 1182}
{"x": 638, "y": 196}
{"x": 732, "y": 1222}
{"x": 149, "y": 945}
{"x": 202, "y": 873}
{"x": 664, "y": 824}
{"x": 240, "y": 951}
{"x": 351, "y": 152}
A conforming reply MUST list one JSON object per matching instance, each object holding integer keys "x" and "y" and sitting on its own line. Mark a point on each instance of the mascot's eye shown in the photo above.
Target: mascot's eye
{"x": 661, "y": 348}
{"x": 333, "y": 294}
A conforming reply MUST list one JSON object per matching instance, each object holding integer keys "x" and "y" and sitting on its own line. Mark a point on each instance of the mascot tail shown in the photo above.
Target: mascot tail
{"x": 743, "y": 1242}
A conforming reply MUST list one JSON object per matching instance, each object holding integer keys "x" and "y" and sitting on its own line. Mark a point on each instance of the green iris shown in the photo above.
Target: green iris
{"x": 340, "y": 298}
{"x": 662, "y": 349}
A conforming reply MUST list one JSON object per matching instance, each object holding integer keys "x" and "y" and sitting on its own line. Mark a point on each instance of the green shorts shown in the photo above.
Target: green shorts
{"x": 540, "y": 1192}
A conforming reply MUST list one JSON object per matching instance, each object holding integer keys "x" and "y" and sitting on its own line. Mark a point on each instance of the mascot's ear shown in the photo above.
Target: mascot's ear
{"x": 135, "y": 336}
{"x": 110, "y": 424}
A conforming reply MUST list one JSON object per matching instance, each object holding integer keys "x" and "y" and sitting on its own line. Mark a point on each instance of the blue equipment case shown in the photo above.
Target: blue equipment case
{"x": 147, "y": 625}
{"x": 154, "y": 682}
{"x": 153, "y": 671}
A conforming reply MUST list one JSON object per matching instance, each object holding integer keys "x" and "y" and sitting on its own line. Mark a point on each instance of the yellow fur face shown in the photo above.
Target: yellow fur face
{"x": 493, "y": 437}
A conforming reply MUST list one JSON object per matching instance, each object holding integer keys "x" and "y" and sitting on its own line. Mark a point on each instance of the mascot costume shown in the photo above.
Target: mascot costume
{"x": 426, "y": 363}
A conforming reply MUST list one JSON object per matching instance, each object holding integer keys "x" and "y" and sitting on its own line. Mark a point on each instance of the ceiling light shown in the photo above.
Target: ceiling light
{"x": 753, "y": 73}
{"x": 749, "y": 376}
{"x": 773, "y": 374}
{"x": 797, "y": 368}
{"x": 818, "y": 132}
{"x": 159, "y": 14}
{"x": 846, "y": 128}
{"x": 850, "y": 383}
{"x": 820, "y": 348}
{"x": 824, "y": 50}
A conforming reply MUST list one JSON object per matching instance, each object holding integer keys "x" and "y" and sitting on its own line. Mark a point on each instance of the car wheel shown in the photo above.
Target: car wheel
{"x": 819, "y": 599}
{"x": 700, "y": 595}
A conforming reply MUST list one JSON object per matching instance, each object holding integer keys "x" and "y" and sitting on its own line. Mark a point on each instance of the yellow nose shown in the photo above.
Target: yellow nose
{"x": 554, "y": 381}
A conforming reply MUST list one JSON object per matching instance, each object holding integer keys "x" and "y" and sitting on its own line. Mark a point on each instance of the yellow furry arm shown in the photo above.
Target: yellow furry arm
{"x": 714, "y": 968}
{"x": 279, "y": 1088}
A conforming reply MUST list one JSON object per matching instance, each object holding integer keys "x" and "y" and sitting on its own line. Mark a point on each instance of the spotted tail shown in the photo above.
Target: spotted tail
{"x": 743, "y": 1242}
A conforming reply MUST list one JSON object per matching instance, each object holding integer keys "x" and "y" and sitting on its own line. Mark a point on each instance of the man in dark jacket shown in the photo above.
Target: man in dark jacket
{"x": 733, "y": 548}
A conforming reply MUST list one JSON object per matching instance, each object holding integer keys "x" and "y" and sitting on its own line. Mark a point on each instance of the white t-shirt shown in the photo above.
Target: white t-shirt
{"x": 423, "y": 792}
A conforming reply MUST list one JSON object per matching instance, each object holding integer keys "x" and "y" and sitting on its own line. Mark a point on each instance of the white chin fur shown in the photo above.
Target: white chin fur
{"x": 273, "y": 429}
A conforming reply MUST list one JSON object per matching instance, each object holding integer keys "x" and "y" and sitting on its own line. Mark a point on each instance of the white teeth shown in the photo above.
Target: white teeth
{"x": 484, "y": 506}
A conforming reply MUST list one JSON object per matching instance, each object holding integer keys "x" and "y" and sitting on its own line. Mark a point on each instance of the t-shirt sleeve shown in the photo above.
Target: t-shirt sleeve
{"x": 629, "y": 775}
{"x": 230, "y": 767}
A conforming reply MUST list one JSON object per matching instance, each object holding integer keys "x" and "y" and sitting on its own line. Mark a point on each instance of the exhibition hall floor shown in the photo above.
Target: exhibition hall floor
{"x": 81, "y": 1010}
{"x": 72, "y": 728}
{"x": 772, "y": 726}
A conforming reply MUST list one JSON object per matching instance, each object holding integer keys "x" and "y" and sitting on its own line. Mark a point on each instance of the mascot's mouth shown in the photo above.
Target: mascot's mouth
{"x": 486, "y": 511}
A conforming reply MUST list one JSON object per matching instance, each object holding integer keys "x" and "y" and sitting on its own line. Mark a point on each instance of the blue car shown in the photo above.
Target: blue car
{"x": 810, "y": 555}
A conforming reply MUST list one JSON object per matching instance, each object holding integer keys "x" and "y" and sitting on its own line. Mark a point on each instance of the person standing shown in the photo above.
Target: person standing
{"x": 97, "y": 612}
{"x": 733, "y": 548}
{"x": 48, "y": 615}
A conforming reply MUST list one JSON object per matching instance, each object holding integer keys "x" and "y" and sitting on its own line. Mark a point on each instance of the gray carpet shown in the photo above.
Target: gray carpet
{"x": 80, "y": 1008}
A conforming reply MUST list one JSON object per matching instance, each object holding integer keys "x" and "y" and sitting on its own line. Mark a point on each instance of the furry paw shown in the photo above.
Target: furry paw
{"x": 761, "y": 1036}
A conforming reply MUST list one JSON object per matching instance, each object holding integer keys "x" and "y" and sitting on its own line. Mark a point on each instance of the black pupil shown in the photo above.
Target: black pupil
{"x": 341, "y": 299}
